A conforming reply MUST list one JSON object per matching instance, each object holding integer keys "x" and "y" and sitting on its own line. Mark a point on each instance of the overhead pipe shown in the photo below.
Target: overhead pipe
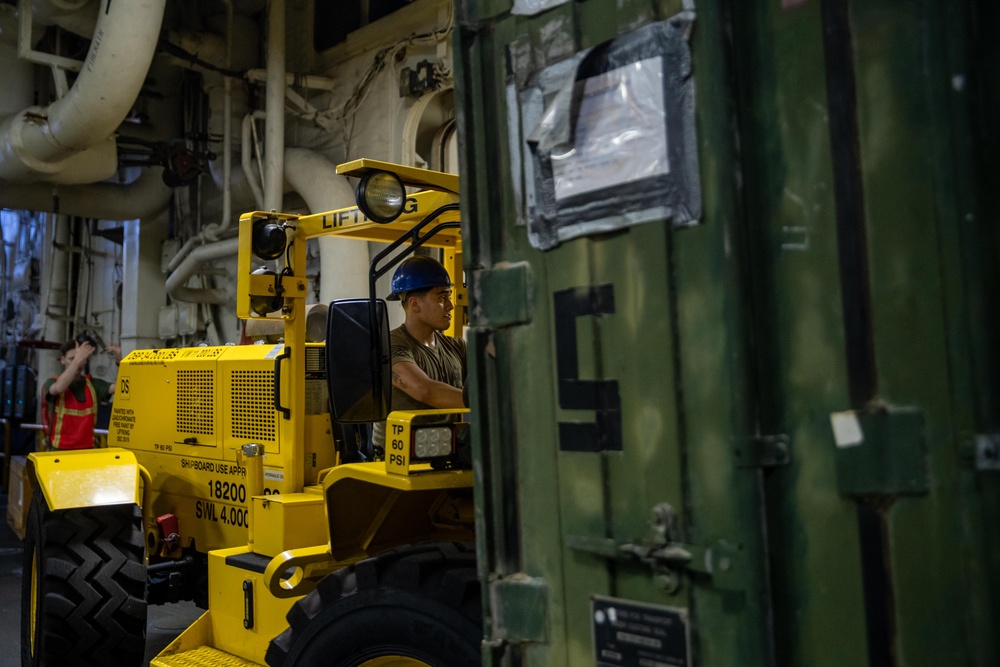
{"x": 246, "y": 159}
{"x": 143, "y": 198}
{"x": 311, "y": 175}
{"x": 310, "y": 81}
{"x": 56, "y": 302}
{"x": 213, "y": 231}
{"x": 76, "y": 16}
{"x": 274, "y": 107}
{"x": 55, "y": 290}
{"x": 71, "y": 140}
{"x": 344, "y": 263}
{"x": 210, "y": 49}
{"x": 191, "y": 265}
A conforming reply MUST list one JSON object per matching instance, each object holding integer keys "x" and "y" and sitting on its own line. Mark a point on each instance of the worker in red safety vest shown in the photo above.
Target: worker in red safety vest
{"x": 71, "y": 401}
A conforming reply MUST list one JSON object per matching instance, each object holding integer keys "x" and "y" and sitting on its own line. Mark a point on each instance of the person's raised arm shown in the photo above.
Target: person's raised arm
{"x": 73, "y": 369}
{"x": 408, "y": 377}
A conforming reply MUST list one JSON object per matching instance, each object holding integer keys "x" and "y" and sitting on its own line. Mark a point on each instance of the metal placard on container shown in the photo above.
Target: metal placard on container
{"x": 632, "y": 633}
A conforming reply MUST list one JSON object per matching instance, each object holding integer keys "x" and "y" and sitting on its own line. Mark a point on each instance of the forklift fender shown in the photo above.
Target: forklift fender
{"x": 86, "y": 477}
{"x": 370, "y": 510}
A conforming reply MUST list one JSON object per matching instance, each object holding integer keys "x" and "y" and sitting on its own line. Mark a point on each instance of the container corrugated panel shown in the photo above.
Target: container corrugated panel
{"x": 738, "y": 425}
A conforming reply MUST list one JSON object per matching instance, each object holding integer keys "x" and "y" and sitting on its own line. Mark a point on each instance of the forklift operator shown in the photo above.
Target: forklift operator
{"x": 428, "y": 367}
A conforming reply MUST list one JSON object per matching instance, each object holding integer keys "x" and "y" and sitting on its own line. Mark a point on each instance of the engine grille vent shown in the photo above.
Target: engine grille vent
{"x": 253, "y": 405}
{"x": 195, "y": 402}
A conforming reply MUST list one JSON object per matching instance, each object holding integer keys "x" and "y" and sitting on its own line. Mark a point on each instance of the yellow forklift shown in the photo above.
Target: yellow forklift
{"x": 230, "y": 479}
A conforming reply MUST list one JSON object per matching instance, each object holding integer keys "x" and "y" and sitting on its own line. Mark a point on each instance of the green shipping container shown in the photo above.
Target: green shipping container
{"x": 735, "y": 290}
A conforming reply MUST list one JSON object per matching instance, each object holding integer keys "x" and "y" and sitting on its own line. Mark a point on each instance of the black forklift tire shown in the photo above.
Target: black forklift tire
{"x": 419, "y": 602}
{"x": 83, "y": 598}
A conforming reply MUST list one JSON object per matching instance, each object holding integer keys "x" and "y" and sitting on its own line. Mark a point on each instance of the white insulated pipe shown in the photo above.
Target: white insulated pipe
{"x": 71, "y": 141}
{"x": 246, "y": 158}
{"x": 212, "y": 233}
{"x": 274, "y": 107}
{"x": 56, "y": 304}
{"x": 143, "y": 198}
{"x": 55, "y": 293}
{"x": 190, "y": 266}
{"x": 343, "y": 262}
{"x": 310, "y": 81}
{"x": 78, "y": 17}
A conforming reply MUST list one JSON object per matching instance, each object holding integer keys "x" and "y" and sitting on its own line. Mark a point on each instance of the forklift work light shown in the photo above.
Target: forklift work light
{"x": 268, "y": 240}
{"x": 262, "y": 305}
{"x": 433, "y": 442}
{"x": 381, "y": 196}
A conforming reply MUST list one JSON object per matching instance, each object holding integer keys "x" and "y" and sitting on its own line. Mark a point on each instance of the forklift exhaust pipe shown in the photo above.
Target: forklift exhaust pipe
{"x": 253, "y": 461}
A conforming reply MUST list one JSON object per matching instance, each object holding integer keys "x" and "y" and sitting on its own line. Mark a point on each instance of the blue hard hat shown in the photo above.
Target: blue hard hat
{"x": 418, "y": 273}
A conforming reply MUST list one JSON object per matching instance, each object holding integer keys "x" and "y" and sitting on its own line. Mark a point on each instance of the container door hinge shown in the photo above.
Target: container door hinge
{"x": 503, "y": 295}
{"x": 762, "y": 451}
{"x": 666, "y": 557}
{"x": 519, "y": 604}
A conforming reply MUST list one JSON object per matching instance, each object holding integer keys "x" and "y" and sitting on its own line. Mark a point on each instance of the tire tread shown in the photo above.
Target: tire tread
{"x": 443, "y": 572}
{"x": 92, "y": 586}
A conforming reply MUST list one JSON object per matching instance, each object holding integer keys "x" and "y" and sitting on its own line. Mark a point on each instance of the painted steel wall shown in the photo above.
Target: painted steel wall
{"x": 801, "y": 376}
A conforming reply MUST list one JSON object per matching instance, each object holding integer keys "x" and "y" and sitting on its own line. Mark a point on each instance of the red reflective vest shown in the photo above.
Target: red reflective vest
{"x": 72, "y": 426}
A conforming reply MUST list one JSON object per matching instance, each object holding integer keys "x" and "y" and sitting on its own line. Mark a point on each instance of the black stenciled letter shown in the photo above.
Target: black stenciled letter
{"x": 575, "y": 394}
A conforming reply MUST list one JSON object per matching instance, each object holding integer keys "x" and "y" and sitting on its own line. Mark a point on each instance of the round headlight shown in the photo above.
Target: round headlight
{"x": 268, "y": 239}
{"x": 381, "y": 196}
{"x": 262, "y": 305}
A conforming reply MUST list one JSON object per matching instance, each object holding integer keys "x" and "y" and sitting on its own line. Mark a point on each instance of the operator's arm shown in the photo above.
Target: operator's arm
{"x": 407, "y": 376}
{"x": 72, "y": 369}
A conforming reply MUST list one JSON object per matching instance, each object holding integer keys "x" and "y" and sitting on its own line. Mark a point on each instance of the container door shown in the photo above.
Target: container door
{"x": 622, "y": 467}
